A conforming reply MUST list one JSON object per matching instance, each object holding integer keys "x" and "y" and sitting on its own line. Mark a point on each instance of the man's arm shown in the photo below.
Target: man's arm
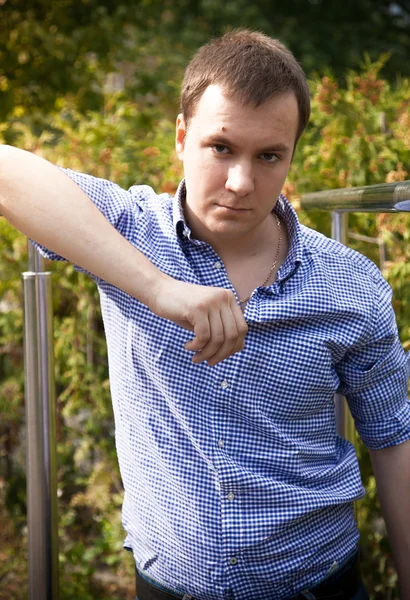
{"x": 392, "y": 471}
{"x": 44, "y": 204}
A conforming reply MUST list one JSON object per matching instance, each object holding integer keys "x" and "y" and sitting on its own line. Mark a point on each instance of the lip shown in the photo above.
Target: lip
{"x": 232, "y": 209}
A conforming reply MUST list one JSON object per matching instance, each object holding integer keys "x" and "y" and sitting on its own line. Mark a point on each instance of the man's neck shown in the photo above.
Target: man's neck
{"x": 245, "y": 245}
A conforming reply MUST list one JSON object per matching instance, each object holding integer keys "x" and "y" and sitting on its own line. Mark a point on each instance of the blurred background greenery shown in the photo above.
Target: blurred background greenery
{"x": 94, "y": 86}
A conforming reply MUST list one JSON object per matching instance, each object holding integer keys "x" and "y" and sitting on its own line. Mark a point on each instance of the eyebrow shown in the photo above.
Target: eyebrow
{"x": 218, "y": 138}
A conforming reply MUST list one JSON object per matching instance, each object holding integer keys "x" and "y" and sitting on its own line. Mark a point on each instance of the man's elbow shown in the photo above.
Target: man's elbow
{"x": 13, "y": 164}
{"x": 7, "y": 153}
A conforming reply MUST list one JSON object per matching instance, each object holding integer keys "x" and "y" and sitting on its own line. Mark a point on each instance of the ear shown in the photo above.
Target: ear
{"x": 180, "y": 136}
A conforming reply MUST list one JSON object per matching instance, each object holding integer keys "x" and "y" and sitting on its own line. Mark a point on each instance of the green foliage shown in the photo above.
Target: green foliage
{"x": 50, "y": 50}
{"x": 359, "y": 134}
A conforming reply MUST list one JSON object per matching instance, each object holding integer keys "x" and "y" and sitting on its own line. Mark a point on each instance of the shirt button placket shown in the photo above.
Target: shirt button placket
{"x": 224, "y": 384}
{"x": 230, "y": 496}
{"x": 231, "y": 511}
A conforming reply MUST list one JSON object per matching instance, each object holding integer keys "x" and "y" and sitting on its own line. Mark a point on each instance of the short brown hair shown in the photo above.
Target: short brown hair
{"x": 251, "y": 67}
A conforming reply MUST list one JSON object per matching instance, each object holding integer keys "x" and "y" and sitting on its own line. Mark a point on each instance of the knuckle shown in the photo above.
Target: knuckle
{"x": 239, "y": 343}
{"x": 218, "y": 338}
{"x": 243, "y": 328}
{"x": 203, "y": 337}
{"x": 226, "y": 295}
{"x": 202, "y": 306}
{"x": 231, "y": 336}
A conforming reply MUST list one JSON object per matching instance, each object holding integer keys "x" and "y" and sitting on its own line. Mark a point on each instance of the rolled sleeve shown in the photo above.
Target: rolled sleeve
{"x": 374, "y": 378}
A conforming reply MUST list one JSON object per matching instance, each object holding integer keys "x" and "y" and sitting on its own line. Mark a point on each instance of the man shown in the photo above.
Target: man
{"x": 236, "y": 484}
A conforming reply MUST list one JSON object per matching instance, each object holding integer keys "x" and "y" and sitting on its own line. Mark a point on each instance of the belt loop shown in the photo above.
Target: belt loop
{"x": 308, "y": 595}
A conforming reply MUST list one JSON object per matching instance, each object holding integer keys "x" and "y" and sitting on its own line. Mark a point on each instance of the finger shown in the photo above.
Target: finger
{"x": 185, "y": 324}
{"x": 241, "y": 325}
{"x": 234, "y": 332}
{"x": 216, "y": 338}
{"x": 230, "y": 337}
{"x": 202, "y": 331}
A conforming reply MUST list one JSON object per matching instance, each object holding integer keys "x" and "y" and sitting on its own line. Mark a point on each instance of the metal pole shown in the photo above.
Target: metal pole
{"x": 339, "y": 227}
{"x": 344, "y": 421}
{"x": 41, "y": 437}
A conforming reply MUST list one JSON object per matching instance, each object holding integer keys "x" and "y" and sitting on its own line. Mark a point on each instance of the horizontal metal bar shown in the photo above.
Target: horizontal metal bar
{"x": 363, "y": 238}
{"x": 383, "y": 197}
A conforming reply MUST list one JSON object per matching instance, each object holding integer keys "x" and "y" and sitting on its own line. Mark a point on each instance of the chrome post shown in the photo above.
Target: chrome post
{"x": 42, "y": 516}
{"x": 344, "y": 421}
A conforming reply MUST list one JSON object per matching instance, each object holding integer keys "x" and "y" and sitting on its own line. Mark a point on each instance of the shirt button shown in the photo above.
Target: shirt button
{"x": 217, "y": 265}
{"x": 220, "y": 443}
{"x": 224, "y": 384}
{"x": 233, "y": 560}
{"x": 231, "y": 496}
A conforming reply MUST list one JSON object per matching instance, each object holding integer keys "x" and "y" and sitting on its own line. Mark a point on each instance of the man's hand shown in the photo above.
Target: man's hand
{"x": 211, "y": 313}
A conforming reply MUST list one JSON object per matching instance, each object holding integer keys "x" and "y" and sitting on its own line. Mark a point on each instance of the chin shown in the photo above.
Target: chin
{"x": 228, "y": 231}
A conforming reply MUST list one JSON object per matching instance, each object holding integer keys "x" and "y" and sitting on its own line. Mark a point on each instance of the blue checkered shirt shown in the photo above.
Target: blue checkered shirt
{"x": 236, "y": 483}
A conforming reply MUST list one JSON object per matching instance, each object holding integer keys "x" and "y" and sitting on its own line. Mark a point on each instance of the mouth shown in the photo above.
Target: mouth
{"x": 232, "y": 209}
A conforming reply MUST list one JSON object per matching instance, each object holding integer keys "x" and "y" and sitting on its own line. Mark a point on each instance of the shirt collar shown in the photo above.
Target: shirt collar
{"x": 283, "y": 209}
{"x": 181, "y": 228}
{"x": 287, "y": 214}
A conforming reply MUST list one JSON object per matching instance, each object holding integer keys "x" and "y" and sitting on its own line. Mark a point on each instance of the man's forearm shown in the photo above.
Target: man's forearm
{"x": 392, "y": 470}
{"x": 47, "y": 206}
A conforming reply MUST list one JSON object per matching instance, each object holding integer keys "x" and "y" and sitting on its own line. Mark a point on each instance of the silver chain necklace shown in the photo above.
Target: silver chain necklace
{"x": 274, "y": 261}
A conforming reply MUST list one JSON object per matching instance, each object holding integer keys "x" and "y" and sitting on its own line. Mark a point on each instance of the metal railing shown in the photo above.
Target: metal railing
{"x": 39, "y": 377}
{"x": 384, "y": 197}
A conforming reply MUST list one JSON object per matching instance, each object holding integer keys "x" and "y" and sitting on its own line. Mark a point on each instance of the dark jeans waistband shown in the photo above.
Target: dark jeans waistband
{"x": 343, "y": 584}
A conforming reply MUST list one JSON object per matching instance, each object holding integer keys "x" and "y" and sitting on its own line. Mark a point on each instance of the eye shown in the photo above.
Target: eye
{"x": 269, "y": 157}
{"x": 220, "y": 149}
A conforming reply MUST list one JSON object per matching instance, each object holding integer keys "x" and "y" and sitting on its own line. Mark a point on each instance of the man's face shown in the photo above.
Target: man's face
{"x": 236, "y": 159}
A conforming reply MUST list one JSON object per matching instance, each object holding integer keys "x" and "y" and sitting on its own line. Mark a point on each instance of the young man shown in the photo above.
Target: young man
{"x": 236, "y": 484}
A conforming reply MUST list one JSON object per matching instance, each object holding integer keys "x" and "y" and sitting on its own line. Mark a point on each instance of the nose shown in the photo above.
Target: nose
{"x": 240, "y": 179}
